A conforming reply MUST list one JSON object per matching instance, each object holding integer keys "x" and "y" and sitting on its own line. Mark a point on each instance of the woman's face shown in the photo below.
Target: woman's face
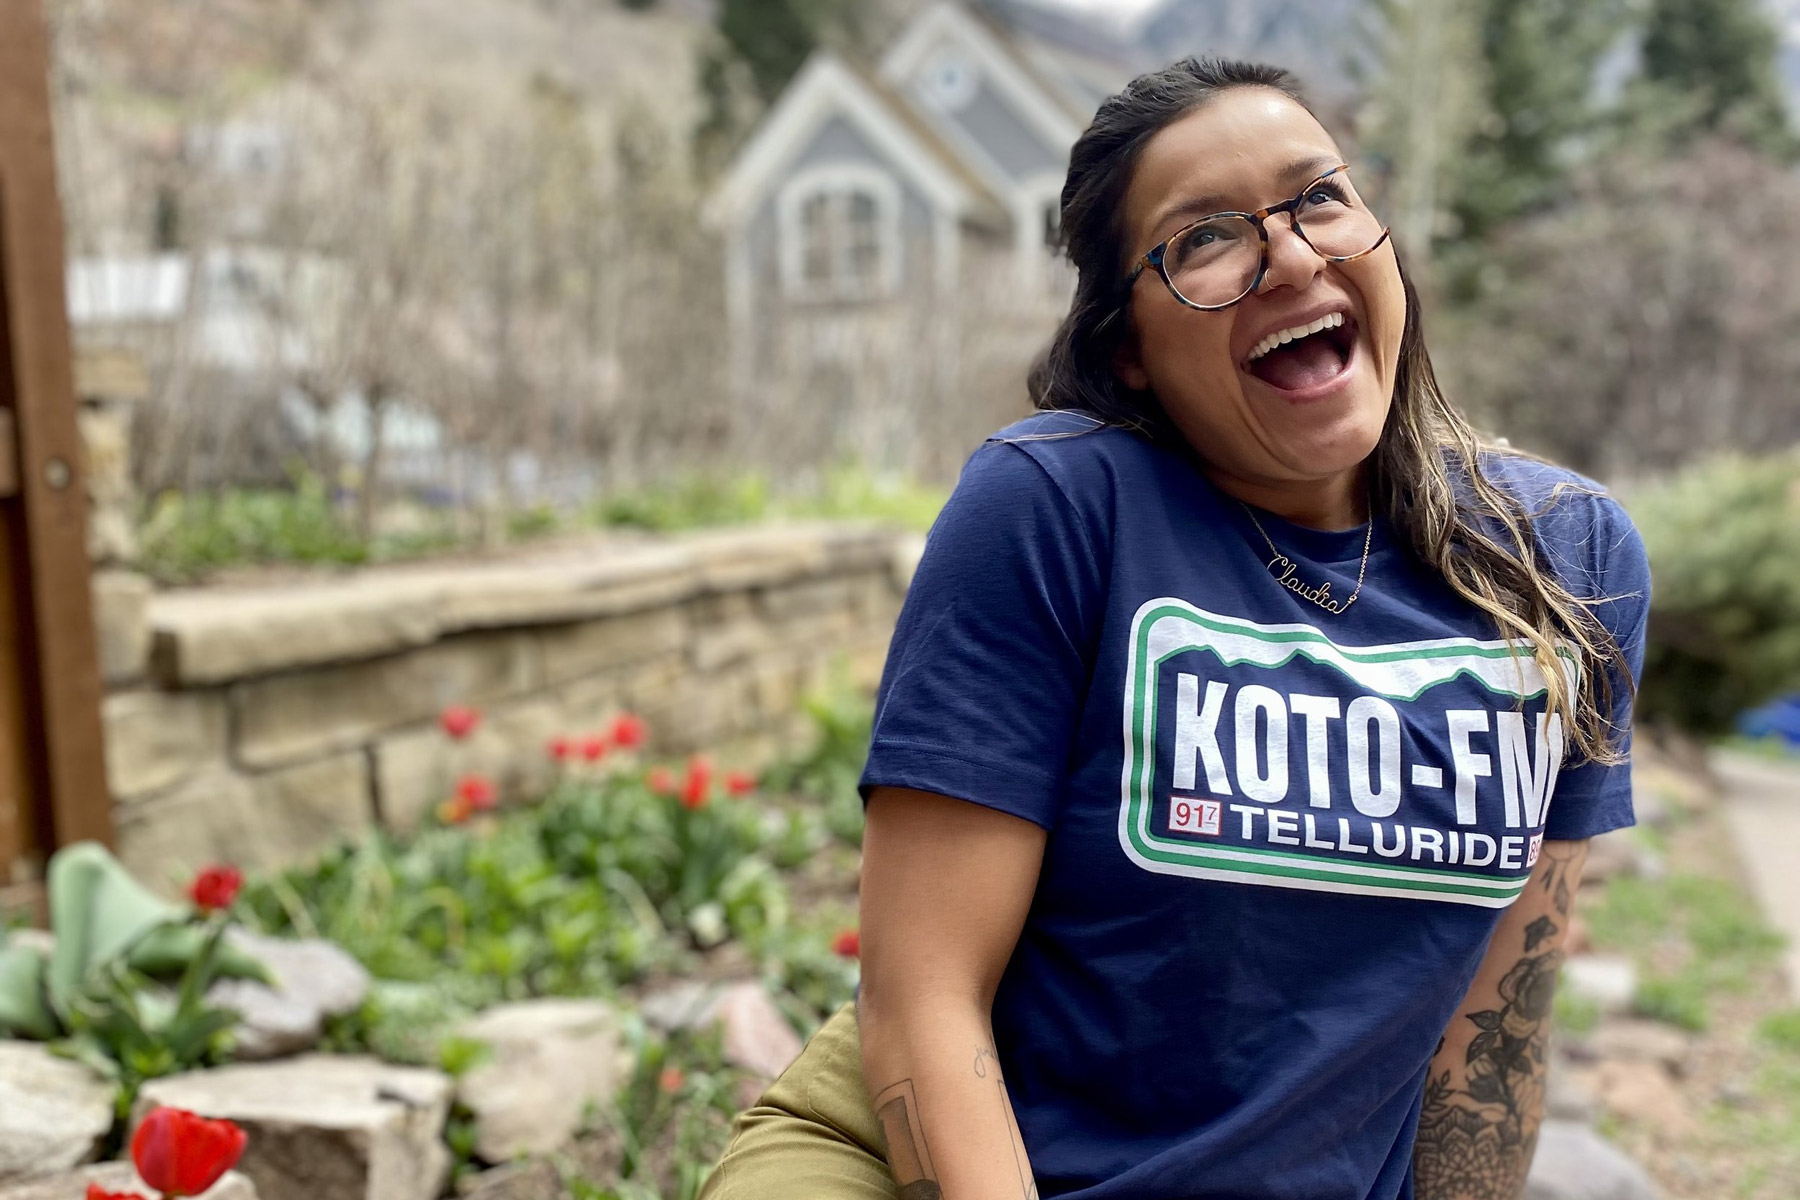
{"x": 1301, "y": 416}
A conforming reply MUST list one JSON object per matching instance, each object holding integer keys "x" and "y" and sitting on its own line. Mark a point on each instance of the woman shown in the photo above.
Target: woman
{"x": 1240, "y": 739}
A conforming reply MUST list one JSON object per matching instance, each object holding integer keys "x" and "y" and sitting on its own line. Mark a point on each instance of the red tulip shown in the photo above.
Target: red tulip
{"x": 847, "y": 944}
{"x": 628, "y": 731}
{"x": 594, "y": 749}
{"x": 740, "y": 783}
{"x": 96, "y": 1192}
{"x": 660, "y": 781}
{"x": 459, "y": 720}
{"x": 478, "y": 792}
{"x": 698, "y": 783}
{"x": 671, "y": 1079}
{"x": 562, "y": 749}
{"x": 215, "y": 888}
{"x": 181, "y": 1154}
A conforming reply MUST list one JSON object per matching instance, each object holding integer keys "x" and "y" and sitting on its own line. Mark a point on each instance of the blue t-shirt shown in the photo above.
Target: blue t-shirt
{"x": 1279, "y": 838}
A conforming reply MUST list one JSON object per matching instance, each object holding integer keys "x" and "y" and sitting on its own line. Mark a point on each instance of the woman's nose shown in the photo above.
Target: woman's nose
{"x": 1292, "y": 260}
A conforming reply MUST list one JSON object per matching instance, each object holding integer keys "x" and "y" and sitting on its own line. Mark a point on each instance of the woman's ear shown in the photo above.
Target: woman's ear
{"x": 1128, "y": 363}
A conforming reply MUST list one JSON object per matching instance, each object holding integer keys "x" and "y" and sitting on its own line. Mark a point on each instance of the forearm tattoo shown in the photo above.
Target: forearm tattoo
{"x": 987, "y": 1064}
{"x": 909, "y": 1158}
{"x": 1476, "y": 1141}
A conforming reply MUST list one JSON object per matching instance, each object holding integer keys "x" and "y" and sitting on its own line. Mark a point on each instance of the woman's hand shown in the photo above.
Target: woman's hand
{"x": 946, "y": 885}
{"x": 1484, "y": 1097}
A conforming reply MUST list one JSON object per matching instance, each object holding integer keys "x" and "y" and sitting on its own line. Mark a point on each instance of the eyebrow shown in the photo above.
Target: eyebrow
{"x": 1204, "y": 206}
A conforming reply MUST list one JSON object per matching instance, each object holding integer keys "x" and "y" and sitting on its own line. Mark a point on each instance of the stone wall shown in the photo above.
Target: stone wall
{"x": 257, "y": 725}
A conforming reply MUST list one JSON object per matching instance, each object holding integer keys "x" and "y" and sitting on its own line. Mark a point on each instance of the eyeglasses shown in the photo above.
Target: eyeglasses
{"x": 1218, "y": 260}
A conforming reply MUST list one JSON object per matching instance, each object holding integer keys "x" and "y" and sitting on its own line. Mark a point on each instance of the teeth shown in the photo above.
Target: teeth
{"x": 1329, "y": 321}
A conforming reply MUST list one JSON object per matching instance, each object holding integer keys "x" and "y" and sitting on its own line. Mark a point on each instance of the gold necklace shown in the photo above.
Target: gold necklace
{"x": 1283, "y": 568}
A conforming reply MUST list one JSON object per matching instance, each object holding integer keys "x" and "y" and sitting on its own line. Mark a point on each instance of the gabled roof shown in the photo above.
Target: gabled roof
{"x": 829, "y": 87}
{"x": 1038, "y": 106}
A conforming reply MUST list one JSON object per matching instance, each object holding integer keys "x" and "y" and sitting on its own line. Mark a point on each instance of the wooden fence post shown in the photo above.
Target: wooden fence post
{"x": 52, "y": 766}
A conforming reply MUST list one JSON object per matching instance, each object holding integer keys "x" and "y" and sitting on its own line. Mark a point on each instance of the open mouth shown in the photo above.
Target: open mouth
{"x": 1300, "y": 360}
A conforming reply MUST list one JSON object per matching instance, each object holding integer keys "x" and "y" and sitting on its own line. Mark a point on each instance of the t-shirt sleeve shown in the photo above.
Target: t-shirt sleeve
{"x": 1592, "y": 798}
{"x": 991, "y": 656}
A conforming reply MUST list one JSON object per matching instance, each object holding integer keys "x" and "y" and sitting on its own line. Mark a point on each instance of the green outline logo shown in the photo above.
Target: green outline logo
{"x": 1167, "y": 626}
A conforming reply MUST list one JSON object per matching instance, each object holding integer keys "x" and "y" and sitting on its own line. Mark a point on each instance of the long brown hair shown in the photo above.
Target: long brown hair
{"x": 1426, "y": 473}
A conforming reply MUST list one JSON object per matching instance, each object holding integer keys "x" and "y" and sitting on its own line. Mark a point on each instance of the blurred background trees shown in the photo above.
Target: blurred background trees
{"x": 442, "y": 272}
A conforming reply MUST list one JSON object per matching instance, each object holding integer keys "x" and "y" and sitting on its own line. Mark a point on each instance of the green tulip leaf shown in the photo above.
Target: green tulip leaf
{"x": 98, "y": 911}
{"x": 23, "y": 1010}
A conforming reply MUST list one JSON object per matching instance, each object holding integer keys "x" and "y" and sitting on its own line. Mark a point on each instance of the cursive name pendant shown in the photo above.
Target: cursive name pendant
{"x": 1285, "y": 570}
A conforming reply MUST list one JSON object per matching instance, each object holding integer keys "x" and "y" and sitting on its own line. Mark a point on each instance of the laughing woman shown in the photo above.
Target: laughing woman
{"x": 1241, "y": 737}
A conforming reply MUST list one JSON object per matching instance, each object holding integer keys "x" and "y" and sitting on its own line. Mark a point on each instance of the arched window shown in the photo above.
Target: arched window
{"x": 840, "y": 234}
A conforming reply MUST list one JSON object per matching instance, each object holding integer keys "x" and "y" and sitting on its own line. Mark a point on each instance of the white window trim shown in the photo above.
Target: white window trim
{"x": 829, "y": 178}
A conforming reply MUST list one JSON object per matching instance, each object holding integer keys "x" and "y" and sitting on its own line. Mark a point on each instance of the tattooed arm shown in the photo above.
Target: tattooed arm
{"x": 946, "y": 885}
{"x": 1484, "y": 1099}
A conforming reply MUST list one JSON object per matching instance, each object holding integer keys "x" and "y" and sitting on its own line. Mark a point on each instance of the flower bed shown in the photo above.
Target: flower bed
{"x": 626, "y": 879}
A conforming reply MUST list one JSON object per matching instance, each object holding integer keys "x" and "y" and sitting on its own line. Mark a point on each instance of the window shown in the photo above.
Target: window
{"x": 840, "y": 234}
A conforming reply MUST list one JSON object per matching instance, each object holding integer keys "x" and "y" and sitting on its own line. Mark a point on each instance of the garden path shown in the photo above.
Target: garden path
{"x": 1763, "y": 806}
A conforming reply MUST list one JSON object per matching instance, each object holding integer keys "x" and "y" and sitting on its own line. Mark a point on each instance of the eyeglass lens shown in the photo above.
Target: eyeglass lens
{"x": 1216, "y": 261}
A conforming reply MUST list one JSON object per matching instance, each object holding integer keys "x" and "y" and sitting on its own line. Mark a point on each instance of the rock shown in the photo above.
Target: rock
{"x": 53, "y": 1112}
{"x": 756, "y": 1037}
{"x": 1607, "y": 981}
{"x": 1638, "y": 1040}
{"x": 157, "y": 739}
{"x": 313, "y": 980}
{"x": 1643, "y": 1092}
{"x": 117, "y": 1177}
{"x": 295, "y": 715}
{"x": 1567, "y": 1096}
{"x": 121, "y": 624}
{"x": 1575, "y": 1163}
{"x": 325, "y": 1127}
{"x": 549, "y": 1060}
{"x": 534, "y": 1180}
{"x": 261, "y": 821}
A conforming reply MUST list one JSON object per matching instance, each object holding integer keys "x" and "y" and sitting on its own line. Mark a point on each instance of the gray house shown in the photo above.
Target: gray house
{"x": 886, "y": 232}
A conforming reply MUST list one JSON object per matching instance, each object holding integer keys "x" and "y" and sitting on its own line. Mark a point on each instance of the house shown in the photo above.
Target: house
{"x": 886, "y": 236}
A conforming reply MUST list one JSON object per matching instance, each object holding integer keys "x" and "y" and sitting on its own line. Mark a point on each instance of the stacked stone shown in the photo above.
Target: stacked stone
{"x": 274, "y": 721}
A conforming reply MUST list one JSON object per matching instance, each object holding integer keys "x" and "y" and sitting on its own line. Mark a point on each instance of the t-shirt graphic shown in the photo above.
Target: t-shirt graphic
{"x": 1277, "y": 839}
{"x": 1273, "y": 755}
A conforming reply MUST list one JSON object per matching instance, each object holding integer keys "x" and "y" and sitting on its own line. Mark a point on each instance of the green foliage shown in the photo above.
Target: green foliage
{"x": 1576, "y": 1014}
{"x": 1724, "y": 544}
{"x": 772, "y": 38}
{"x": 688, "y": 502}
{"x": 1707, "y": 927}
{"x": 124, "y": 990}
{"x": 1782, "y": 1030}
{"x": 570, "y": 897}
{"x": 671, "y": 1119}
{"x": 1719, "y": 56}
{"x": 828, "y": 773}
{"x": 187, "y": 535}
{"x": 1540, "y": 57}
{"x": 1679, "y": 1000}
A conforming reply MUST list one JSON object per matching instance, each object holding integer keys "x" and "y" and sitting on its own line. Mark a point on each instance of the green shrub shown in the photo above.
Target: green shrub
{"x": 1724, "y": 544}
{"x": 188, "y": 534}
{"x": 827, "y": 774}
{"x": 688, "y": 503}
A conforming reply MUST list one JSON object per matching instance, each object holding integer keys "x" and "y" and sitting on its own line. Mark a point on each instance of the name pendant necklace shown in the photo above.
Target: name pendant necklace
{"x": 1285, "y": 569}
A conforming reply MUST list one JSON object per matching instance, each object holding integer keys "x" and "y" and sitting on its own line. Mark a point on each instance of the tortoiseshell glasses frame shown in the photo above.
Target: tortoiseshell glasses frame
{"x": 1156, "y": 258}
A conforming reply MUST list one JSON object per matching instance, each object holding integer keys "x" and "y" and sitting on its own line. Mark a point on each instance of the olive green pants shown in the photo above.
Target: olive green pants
{"x": 813, "y": 1134}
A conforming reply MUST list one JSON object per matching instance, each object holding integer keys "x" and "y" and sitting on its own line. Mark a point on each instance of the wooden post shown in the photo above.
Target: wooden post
{"x": 52, "y": 768}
